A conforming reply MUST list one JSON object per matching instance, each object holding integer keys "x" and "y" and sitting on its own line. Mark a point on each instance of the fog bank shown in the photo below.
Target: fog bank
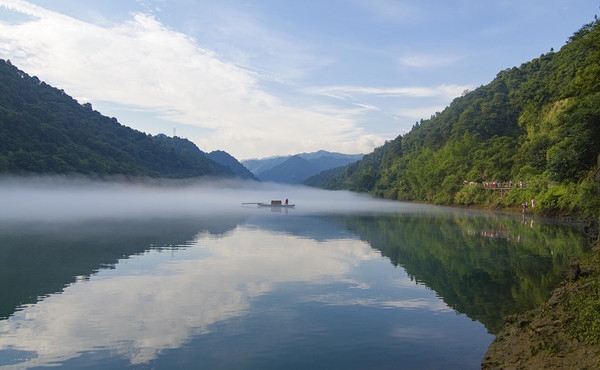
{"x": 57, "y": 198}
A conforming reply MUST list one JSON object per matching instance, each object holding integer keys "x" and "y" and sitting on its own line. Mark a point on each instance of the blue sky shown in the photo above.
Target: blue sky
{"x": 263, "y": 78}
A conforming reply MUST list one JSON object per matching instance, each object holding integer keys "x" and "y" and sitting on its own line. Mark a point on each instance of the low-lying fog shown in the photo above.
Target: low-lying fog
{"x": 67, "y": 198}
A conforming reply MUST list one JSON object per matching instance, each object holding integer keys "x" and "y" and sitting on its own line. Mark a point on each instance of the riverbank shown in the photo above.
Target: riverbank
{"x": 564, "y": 333}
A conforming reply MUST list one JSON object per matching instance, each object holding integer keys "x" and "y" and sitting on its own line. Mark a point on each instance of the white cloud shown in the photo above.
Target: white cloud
{"x": 251, "y": 41}
{"x": 367, "y": 107}
{"x": 147, "y": 66}
{"x": 401, "y": 105}
{"x": 345, "y": 92}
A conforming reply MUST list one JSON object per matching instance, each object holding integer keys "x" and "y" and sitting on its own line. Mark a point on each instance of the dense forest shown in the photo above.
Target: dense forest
{"x": 535, "y": 130}
{"x": 43, "y": 130}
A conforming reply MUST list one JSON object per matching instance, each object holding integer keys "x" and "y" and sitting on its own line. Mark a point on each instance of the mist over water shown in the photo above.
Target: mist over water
{"x": 74, "y": 198}
{"x": 182, "y": 273}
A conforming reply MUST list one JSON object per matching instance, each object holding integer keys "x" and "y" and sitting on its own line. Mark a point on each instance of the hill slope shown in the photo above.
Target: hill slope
{"x": 43, "y": 130}
{"x": 537, "y": 124}
{"x": 227, "y": 160}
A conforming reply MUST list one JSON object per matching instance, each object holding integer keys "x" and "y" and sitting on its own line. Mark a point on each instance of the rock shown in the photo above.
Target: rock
{"x": 542, "y": 338}
{"x": 573, "y": 272}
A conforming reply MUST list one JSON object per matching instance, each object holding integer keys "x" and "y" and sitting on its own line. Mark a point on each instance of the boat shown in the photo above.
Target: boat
{"x": 274, "y": 204}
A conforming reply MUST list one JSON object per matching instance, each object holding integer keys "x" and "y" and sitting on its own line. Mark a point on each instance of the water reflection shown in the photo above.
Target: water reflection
{"x": 40, "y": 258}
{"x": 487, "y": 266}
{"x": 157, "y": 300}
{"x": 285, "y": 289}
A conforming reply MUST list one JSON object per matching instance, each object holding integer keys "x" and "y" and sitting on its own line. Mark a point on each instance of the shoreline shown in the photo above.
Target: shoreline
{"x": 552, "y": 335}
{"x": 557, "y": 334}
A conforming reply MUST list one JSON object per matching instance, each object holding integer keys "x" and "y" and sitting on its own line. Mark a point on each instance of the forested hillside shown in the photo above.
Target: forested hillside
{"x": 43, "y": 130}
{"x": 535, "y": 129}
{"x": 236, "y": 167}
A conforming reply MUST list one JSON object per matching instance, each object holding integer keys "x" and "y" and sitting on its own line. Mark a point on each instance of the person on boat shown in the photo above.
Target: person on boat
{"x": 286, "y": 201}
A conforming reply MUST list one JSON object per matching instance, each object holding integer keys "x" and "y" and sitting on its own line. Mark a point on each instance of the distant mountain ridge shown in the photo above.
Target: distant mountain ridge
{"x": 44, "y": 130}
{"x": 294, "y": 169}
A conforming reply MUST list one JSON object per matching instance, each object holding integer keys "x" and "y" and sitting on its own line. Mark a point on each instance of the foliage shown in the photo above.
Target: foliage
{"x": 43, "y": 130}
{"x": 536, "y": 124}
{"x": 584, "y": 303}
{"x": 357, "y": 176}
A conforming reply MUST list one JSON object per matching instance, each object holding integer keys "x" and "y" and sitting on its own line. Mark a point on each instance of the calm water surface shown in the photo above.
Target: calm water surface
{"x": 414, "y": 287}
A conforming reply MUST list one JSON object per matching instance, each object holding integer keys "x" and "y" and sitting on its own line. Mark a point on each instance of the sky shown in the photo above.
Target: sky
{"x": 276, "y": 77}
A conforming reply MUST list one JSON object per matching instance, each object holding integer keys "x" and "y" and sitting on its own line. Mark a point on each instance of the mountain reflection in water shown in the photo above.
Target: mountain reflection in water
{"x": 266, "y": 290}
{"x": 486, "y": 266}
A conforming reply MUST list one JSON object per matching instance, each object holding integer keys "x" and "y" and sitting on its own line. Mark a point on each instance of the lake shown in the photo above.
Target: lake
{"x": 160, "y": 276}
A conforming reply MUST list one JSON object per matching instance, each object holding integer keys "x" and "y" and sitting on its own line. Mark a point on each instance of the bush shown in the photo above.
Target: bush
{"x": 469, "y": 195}
{"x": 516, "y": 197}
{"x": 552, "y": 201}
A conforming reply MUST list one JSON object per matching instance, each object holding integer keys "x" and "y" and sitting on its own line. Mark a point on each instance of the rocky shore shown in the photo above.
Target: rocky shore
{"x": 564, "y": 333}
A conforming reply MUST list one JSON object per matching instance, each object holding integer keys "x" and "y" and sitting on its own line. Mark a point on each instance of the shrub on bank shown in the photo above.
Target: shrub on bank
{"x": 549, "y": 199}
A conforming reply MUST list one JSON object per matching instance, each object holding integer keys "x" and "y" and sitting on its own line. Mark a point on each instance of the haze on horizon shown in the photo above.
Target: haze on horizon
{"x": 259, "y": 79}
{"x": 52, "y": 199}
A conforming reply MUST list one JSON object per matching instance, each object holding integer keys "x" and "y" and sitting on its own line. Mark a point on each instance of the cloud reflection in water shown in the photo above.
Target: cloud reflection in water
{"x": 161, "y": 299}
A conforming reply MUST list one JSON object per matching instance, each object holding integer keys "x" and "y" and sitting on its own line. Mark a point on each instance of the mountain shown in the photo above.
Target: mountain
{"x": 324, "y": 160}
{"x": 537, "y": 125}
{"x": 257, "y": 166}
{"x": 43, "y": 130}
{"x": 294, "y": 170}
{"x": 236, "y": 167}
{"x": 297, "y": 168}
